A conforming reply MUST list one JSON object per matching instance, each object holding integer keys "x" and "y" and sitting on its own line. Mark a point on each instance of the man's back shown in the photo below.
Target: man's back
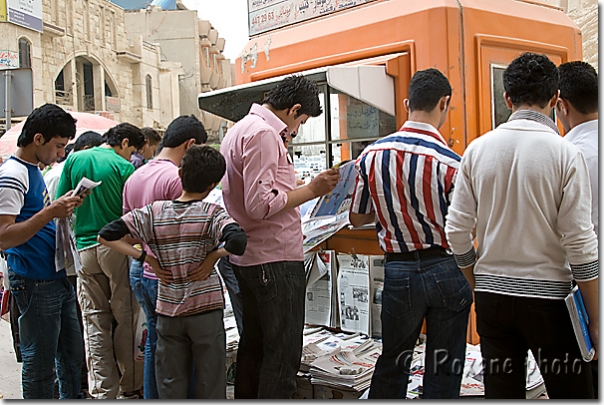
{"x": 522, "y": 176}
{"x": 156, "y": 181}
{"x": 181, "y": 234}
{"x": 105, "y": 203}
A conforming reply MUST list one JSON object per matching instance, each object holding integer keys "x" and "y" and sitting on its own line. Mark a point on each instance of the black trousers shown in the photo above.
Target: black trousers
{"x": 509, "y": 326}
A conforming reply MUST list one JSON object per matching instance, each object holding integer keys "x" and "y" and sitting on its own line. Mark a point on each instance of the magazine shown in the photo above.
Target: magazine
{"x": 580, "y": 321}
{"x": 338, "y": 201}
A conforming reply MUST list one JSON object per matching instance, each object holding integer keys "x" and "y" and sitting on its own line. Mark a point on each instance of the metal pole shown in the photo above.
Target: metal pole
{"x": 8, "y": 109}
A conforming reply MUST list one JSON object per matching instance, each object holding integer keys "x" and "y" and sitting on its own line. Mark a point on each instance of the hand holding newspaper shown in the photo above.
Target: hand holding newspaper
{"x": 84, "y": 185}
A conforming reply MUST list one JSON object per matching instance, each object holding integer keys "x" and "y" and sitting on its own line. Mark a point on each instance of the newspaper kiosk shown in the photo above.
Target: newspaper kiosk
{"x": 362, "y": 54}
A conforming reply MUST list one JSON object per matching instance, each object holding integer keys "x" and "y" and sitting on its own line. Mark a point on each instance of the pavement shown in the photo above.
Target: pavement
{"x": 10, "y": 370}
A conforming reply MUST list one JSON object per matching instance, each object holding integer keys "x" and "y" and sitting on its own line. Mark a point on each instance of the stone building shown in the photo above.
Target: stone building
{"x": 85, "y": 60}
{"x": 194, "y": 43}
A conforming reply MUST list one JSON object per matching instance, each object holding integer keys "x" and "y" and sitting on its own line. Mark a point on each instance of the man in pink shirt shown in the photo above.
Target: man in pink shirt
{"x": 158, "y": 180}
{"x": 259, "y": 192}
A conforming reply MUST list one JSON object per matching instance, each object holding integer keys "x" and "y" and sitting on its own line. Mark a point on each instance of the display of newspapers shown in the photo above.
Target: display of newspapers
{"x": 318, "y": 300}
{"x": 84, "y": 185}
{"x": 353, "y": 293}
{"x": 580, "y": 321}
{"x": 376, "y": 287}
{"x": 66, "y": 251}
{"x": 345, "y": 369}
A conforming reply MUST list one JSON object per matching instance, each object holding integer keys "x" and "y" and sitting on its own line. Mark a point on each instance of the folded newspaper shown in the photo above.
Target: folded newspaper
{"x": 66, "y": 251}
{"x": 84, "y": 185}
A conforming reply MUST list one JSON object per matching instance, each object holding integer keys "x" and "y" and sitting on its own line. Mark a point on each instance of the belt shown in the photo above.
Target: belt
{"x": 434, "y": 251}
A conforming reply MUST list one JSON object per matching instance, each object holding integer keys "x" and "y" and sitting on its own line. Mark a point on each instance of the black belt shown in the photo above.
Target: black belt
{"x": 434, "y": 251}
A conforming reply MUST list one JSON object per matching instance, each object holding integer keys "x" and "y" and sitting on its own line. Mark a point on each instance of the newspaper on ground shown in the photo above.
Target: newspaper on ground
{"x": 345, "y": 369}
{"x": 353, "y": 292}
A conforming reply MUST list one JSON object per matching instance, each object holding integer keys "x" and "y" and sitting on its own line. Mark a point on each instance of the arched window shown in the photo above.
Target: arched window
{"x": 149, "y": 87}
{"x": 24, "y": 53}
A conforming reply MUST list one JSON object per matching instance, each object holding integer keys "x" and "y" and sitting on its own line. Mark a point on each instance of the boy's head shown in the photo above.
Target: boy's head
{"x": 202, "y": 169}
{"x": 578, "y": 92}
{"x": 187, "y": 130}
{"x": 125, "y": 139}
{"x": 153, "y": 137}
{"x": 297, "y": 99}
{"x": 46, "y": 131}
{"x": 87, "y": 140}
{"x": 530, "y": 80}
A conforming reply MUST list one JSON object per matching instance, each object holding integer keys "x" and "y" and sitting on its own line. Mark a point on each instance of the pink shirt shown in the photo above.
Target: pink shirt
{"x": 158, "y": 180}
{"x": 259, "y": 173}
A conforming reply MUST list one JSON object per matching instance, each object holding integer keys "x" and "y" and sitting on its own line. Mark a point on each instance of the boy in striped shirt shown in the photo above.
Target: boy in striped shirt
{"x": 182, "y": 233}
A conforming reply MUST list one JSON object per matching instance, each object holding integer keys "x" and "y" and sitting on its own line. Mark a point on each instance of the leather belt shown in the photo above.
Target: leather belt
{"x": 434, "y": 251}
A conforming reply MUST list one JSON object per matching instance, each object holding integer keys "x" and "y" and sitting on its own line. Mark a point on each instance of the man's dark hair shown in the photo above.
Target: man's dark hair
{"x": 201, "y": 166}
{"x": 88, "y": 139}
{"x": 68, "y": 150}
{"x": 114, "y": 136}
{"x": 579, "y": 86}
{"x": 294, "y": 90}
{"x": 426, "y": 88}
{"x": 152, "y": 135}
{"x": 49, "y": 120}
{"x": 531, "y": 79}
{"x": 181, "y": 129}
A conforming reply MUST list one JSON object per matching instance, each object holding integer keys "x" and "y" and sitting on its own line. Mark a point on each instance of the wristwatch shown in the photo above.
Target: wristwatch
{"x": 142, "y": 257}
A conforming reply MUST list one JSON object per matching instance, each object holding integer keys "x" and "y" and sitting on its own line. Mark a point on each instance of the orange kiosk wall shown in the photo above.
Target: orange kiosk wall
{"x": 470, "y": 41}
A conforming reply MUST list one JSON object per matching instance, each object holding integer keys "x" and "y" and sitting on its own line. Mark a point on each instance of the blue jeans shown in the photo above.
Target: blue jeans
{"x": 50, "y": 336}
{"x": 145, "y": 292}
{"x": 270, "y": 346}
{"x": 435, "y": 289}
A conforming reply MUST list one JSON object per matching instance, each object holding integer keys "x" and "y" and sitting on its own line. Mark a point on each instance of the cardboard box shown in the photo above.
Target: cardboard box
{"x": 324, "y": 392}
{"x": 303, "y": 387}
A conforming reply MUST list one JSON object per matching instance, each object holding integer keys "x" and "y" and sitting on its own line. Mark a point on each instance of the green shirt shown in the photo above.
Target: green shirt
{"x": 104, "y": 205}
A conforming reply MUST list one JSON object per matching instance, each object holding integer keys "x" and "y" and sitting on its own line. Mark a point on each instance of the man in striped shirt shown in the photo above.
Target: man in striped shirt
{"x": 404, "y": 185}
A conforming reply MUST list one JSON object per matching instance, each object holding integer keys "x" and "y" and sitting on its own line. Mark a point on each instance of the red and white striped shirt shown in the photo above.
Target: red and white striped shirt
{"x": 407, "y": 179}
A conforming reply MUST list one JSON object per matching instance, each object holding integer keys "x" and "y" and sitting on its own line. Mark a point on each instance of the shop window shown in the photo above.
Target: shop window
{"x": 24, "y": 53}
{"x": 149, "y": 87}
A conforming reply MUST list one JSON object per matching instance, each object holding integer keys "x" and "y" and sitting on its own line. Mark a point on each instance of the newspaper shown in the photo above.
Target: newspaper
{"x": 338, "y": 201}
{"x": 66, "y": 251}
{"x": 319, "y": 291}
{"x": 376, "y": 287}
{"x": 84, "y": 185}
{"x": 317, "y": 231}
{"x": 353, "y": 292}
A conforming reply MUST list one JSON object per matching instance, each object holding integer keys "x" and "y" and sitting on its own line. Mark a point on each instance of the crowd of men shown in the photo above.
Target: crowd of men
{"x": 511, "y": 226}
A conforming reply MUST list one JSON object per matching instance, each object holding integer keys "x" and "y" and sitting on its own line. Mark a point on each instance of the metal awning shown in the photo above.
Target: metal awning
{"x": 370, "y": 84}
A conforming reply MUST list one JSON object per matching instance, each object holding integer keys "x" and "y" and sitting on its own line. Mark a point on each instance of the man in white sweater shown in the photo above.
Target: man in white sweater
{"x": 577, "y": 110}
{"x": 526, "y": 192}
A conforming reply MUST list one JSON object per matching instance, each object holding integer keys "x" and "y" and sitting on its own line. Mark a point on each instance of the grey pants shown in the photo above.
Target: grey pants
{"x": 183, "y": 340}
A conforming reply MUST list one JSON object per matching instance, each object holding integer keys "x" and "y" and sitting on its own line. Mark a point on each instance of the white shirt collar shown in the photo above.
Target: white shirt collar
{"x": 581, "y": 130}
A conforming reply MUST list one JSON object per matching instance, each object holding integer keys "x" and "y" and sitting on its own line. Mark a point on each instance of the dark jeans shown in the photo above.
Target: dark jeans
{"x": 226, "y": 271}
{"x": 145, "y": 292}
{"x": 435, "y": 289}
{"x": 84, "y": 374}
{"x": 50, "y": 335}
{"x": 270, "y": 347}
{"x": 509, "y": 326}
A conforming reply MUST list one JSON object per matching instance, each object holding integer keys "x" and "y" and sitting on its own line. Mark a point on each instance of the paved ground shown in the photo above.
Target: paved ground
{"x": 10, "y": 370}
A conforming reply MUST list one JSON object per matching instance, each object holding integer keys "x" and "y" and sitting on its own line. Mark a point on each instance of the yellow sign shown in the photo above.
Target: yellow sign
{"x": 2, "y": 10}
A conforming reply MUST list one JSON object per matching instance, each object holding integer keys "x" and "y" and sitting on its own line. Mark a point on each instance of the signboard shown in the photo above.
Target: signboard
{"x": 21, "y": 87}
{"x": 26, "y": 13}
{"x": 9, "y": 60}
{"x": 2, "y": 10}
{"x": 266, "y": 15}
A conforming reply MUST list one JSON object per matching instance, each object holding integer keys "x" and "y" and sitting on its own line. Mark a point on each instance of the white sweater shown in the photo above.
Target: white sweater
{"x": 527, "y": 192}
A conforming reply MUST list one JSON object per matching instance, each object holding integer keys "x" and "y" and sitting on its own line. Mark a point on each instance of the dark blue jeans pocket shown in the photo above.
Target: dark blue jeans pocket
{"x": 396, "y": 297}
{"x": 263, "y": 283}
{"x": 18, "y": 289}
{"x": 454, "y": 288}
